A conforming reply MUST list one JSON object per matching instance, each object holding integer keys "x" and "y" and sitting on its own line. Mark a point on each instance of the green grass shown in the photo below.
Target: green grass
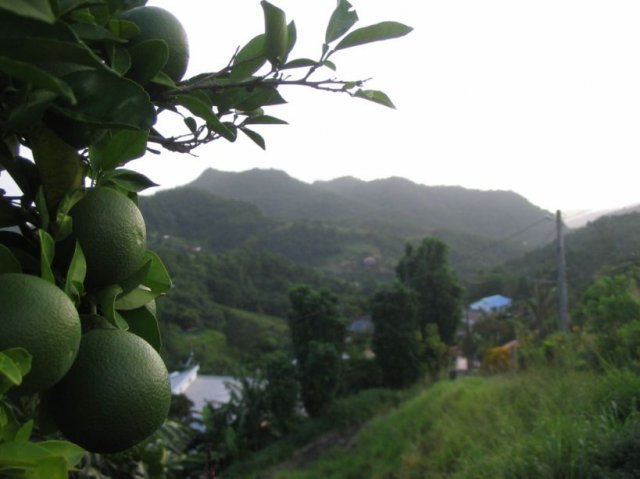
{"x": 535, "y": 425}
{"x": 343, "y": 416}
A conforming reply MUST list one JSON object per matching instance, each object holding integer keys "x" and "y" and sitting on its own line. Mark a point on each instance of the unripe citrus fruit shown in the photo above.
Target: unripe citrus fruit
{"x": 115, "y": 395}
{"x": 39, "y": 317}
{"x": 158, "y": 24}
{"x": 112, "y": 234}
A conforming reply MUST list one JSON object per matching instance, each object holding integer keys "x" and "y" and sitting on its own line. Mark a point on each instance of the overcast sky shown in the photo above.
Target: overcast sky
{"x": 539, "y": 97}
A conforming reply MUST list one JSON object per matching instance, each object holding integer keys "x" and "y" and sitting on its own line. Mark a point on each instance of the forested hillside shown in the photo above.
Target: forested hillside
{"x": 229, "y": 309}
{"x": 391, "y": 205}
{"x": 351, "y": 228}
{"x": 609, "y": 244}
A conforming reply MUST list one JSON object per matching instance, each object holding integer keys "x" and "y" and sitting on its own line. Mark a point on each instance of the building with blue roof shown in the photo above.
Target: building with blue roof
{"x": 491, "y": 304}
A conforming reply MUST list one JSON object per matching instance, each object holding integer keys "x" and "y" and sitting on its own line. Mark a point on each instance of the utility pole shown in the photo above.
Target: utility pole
{"x": 562, "y": 276}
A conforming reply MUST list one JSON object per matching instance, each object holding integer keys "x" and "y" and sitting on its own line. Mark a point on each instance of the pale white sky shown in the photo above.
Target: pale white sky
{"x": 539, "y": 97}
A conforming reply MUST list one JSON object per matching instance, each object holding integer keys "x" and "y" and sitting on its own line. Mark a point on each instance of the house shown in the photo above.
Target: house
{"x": 361, "y": 325}
{"x": 485, "y": 307}
{"x": 491, "y": 304}
{"x": 202, "y": 389}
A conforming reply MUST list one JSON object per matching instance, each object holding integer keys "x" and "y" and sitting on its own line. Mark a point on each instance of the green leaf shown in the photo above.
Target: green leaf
{"x": 158, "y": 278}
{"x": 46, "y": 50}
{"x": 120, "y": 59}
{"x": 136, "y": 279}
{"x": 265, "y": 120}
{"x": 39, "y": 460}
{"x": 107, "y": 301}
{"x": 51, "y": 468}
{"x": 126, "y": 105}
{"x": 197, "y": 106}
{"x": 68, "y": 201}
{"x": 164, "y": 80}
{"x": 8, "y": 424}
{"x": 375, "y": 96}
{"x": 148, "y": 58}
{"x": 61, "y": 167}
{"x": 8, "y": 262}
{"x": 276, "y": 34}
{"x": 15, "y": 27}
{"x": 373, "y": 33}
{"x": 71, "y": 453}
{"x": 15, "y": 363}
{"x": 36, "y": 9}
{"x": 124, "y": 29}
{"x": 299, "y": 63}
{"x": 249, "y": 59}
{"x": 30, "y": 111}
{"x": 74, "y": 285}
{"x": 259, "y": 97}
{"x": 47, "y": 250}
{"x": 255, "y": 137}
{"x": 136, "y": 298}
{"x": 43, "y": 210}
{"x": 191, "y": 124}
{"x": 21, "y": 357}
{"x": 117, "y": 149}
{"x": 342, "y": 19}
{"x": 67, "y": 6}
{"x": 10, "y": 374}
{"x": 292, "y": 33}
{"x": 329, "y": 64}
{"x": 91, "y": 32}
{"x": 128, "y": 180}
{"x": 143, "y": 322}
{"x": 36, "y": 77}
{"x": 24, "y": 433}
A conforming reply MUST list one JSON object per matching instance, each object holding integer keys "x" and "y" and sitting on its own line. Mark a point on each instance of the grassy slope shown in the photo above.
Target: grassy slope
{"x": 562, "y": 424}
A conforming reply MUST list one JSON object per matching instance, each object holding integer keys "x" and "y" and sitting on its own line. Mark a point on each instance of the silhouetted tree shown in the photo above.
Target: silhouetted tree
{"x": 317, "y": 337}
{"x": 426, "y": 271}
{"x": 395, "y": 337}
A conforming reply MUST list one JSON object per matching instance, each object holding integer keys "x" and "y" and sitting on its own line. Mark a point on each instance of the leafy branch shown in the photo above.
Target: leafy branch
{"x": 236, "y": 89}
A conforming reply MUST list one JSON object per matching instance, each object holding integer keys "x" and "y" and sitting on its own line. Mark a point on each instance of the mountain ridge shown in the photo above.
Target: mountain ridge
{"x": 393, "y": 204}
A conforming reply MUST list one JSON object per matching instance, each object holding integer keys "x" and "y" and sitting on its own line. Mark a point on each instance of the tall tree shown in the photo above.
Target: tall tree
{"x": 426, "y": 270}
{"x": 317, "y": 337}
{"x": 395, "y": 336}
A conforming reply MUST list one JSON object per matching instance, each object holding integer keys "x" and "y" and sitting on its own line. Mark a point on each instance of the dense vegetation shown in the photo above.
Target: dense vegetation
{"x": 346, "y": 227}
{"x": 499, "y": 427}
{"x": 229, "y": 309}
{"x": 393, "y": 205}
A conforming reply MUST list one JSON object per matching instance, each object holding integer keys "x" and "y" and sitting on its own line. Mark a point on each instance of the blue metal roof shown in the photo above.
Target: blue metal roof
{"x": 491, "y": 304}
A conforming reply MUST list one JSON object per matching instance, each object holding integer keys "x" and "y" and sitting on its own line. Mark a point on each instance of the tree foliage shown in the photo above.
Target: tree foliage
{"x": 395, "y": 337}
{"x": 426, "y": 271}
{"x": 317, "y": 337}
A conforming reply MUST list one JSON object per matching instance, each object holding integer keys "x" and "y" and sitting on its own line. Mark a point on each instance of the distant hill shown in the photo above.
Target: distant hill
{"x": 393, "y": 205}
{"x": 577, "y": 219}
{"x": 348, "y": 227}
{"x": 204, "y": 219}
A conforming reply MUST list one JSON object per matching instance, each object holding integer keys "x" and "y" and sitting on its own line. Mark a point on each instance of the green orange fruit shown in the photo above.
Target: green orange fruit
{"x": 112, "y": 234}
{"x": 38, "y": 316}
{"x": 116, "y": 394}
{"x": 159, "y": 24}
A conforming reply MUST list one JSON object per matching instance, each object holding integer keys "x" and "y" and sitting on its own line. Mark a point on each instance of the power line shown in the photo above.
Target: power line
{"x": 497, "y": 242}
{"x": 469, "y": 256}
